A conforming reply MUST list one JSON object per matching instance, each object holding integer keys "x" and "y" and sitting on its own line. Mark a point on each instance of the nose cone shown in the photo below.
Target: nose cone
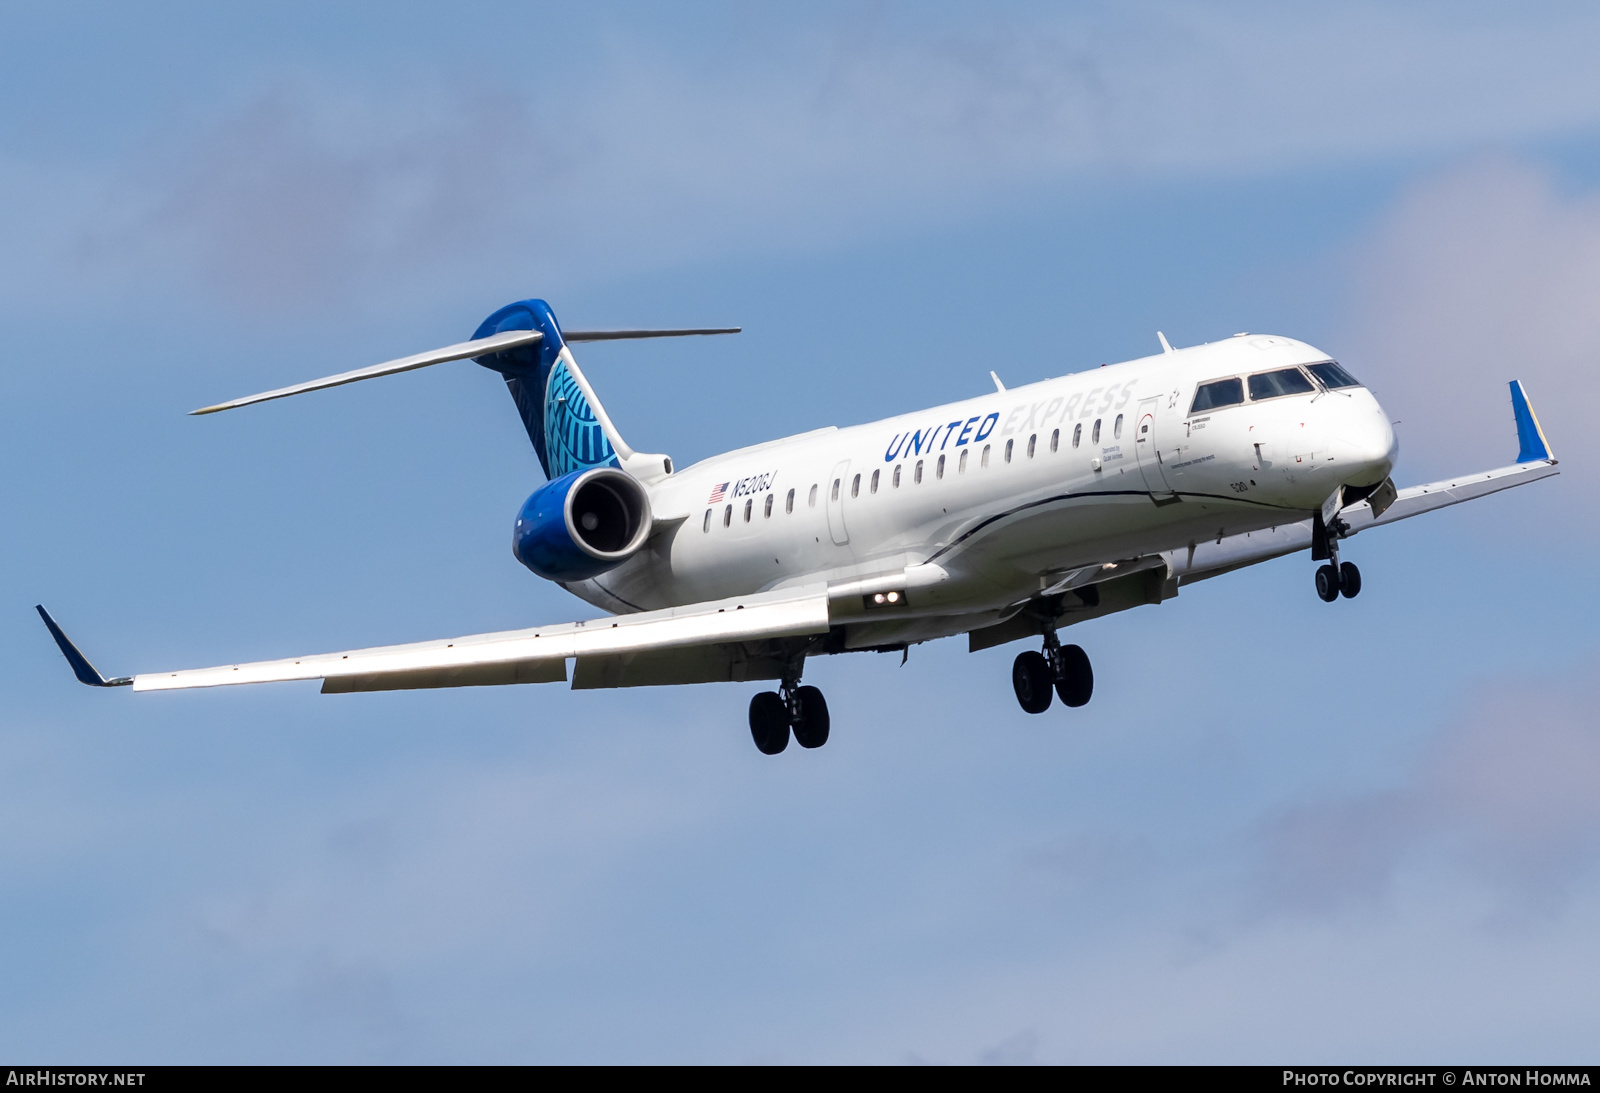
{"x": 1366, "y": 447}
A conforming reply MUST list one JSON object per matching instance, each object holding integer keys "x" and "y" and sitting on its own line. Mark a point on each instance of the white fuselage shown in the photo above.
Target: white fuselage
{"x": 969, "y": 508}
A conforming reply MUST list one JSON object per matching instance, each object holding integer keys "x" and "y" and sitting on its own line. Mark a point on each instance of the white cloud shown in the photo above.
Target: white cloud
{"x": 660, "y": 147}
{"x": 1503, "y": 793}
{"x": 1480, "y": 275}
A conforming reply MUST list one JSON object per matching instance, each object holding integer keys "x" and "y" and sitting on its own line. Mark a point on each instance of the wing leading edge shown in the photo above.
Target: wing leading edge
{"x": 603, "y": 648}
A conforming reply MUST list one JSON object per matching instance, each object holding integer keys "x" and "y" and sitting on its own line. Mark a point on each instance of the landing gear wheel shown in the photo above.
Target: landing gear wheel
{"x": 769, "y": 722}
{"x": 811, "y": 721}
{"x": 1030, "y": 678}
{"x": 1076, "y": 682}
{"x": 1349, "y": 580}
{"x": 1328, "y": 583}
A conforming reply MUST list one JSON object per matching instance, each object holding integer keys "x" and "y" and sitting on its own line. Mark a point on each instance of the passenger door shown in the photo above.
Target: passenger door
{"x": 836, "y": 485}
{"x": 1145, "y": 428}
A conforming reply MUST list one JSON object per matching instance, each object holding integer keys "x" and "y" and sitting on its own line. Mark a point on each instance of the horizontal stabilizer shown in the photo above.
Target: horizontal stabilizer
{"x": 478, "y": 347}
{"x": 1530, "y": 435}
{"x": 80, "y": 664}
{"x": 536, "y": 655}
{"x": 628, "y": 335}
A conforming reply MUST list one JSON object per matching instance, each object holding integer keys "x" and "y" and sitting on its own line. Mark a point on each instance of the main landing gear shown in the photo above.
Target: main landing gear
{"x": 1334, "y": 578}
{"x": 1333, "y": 582}
{"x": 773, "y": 714}
{"x": 1063, "y": 669}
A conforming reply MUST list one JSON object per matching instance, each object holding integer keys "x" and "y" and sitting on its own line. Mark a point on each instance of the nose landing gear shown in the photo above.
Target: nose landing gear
{"x": 774, "y": 714}
{"x": 1335, "y": 578}
{"x": 1062, "y": 668}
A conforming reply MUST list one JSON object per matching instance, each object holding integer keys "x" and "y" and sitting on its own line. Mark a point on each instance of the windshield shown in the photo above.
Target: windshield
{"x": 1210, "y": 396}
{"x": 1285, "y": 381}
{"x": 1332, "y": 376}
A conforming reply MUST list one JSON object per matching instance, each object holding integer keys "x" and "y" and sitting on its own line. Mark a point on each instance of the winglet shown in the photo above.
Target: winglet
{"x": 80, "y": 663}
{"x": 1530, "y": 435}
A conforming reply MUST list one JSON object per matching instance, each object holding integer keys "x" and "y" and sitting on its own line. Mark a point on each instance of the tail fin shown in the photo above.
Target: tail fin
{"x": 569, "y": 429}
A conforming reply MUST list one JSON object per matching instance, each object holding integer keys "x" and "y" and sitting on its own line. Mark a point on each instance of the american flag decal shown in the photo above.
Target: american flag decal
{"x": 716, "y": 493}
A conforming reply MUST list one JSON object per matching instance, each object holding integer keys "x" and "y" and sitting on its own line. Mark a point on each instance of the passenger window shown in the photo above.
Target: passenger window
{"x": 895, "y": 481}
{"x": 855, "y": 486}
{"x": 984, "y": 462}
{"x": 748, "y": 505}
{"x": 1094, "y": 437}
{"x": 874, "y": 481}
{"x": 916, "y": 476}
{"x": 811, "y": 501}
{"x": 1217, "y": 394}
{"x": 1055, "y": 440}
{"x": 788, "y": 506}
{"x": 1285, "y": 381}
{"x": 707, "y": 525}
{"x": 727, "y": 516}
{"x": 939, "y": 471}
{"x": 1332, "y": 376}
{"x": 1032, "y": 440}
{"x": 835, "y": 495}
{"x": 1077, "y": 434}
{"x": 1008, "y": 450}
{"x": 768, "y": 510}
{"x": 961, "y": 467}
{"x": 1116, "y": 429}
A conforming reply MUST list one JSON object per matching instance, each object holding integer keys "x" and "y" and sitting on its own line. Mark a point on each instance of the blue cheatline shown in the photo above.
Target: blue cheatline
{"x": 1529, "y": 433}
{"x": 564, "y": 428}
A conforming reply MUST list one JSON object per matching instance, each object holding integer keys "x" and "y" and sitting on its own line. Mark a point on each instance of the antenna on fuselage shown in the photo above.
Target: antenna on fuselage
{"x": 998, "y": 386}
{"x": 1166, "y": 347}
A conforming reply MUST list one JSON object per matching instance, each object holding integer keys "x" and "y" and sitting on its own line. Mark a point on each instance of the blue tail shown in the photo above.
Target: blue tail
{"x": 564, "y": 428}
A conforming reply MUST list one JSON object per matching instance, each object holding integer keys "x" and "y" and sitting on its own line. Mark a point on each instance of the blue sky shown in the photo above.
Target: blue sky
{"x": 1282, "y": 830}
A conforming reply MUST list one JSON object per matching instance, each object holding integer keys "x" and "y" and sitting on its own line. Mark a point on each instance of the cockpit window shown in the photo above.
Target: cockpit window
{"x": 1332, "y": 376}
{"x": 1210, "y": 396}
{"x": 1285, "y": 381}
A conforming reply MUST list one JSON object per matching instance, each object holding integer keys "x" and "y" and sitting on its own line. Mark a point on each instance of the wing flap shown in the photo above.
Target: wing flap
{"x": 538, "y": 654}
{"x": 476, "y": 675}
{"x": 726, "y": 662}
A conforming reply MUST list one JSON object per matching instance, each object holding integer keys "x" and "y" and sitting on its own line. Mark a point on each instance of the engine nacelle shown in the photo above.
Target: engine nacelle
{"x": 582, "y": 524}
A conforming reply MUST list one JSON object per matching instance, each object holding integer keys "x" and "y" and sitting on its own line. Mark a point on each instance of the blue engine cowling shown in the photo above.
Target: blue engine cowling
{"x": 582, "y": 524}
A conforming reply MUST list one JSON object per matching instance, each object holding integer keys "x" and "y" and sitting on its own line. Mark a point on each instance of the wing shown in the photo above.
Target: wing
{"x": 1211, "y": 559}
{"x": 723, "y": 639}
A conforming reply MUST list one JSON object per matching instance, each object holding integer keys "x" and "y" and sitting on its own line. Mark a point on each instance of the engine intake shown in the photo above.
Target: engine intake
{"x": 582, "y": 524}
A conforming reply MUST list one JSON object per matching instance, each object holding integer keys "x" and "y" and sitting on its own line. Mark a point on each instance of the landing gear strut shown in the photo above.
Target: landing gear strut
{"x": 1062, "y": 668}
{"x": 1335, "y": 578}
{"x": 773, "y": 714}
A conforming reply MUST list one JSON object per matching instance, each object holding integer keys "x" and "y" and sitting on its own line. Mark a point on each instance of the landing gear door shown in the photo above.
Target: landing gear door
{"x": 838, "y": 483}
{"x": 1145, "y": 428}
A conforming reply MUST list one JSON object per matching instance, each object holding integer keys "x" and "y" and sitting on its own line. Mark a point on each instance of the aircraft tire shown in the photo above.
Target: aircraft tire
{"x": 1030, "y": 678}
{"x": 811, "y": 728}
{"x": 1349, "y": 580}
{"x": 1076, "y": 685}
{"x": 769, "y": 722}
{"x": 1327, "y": 583}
